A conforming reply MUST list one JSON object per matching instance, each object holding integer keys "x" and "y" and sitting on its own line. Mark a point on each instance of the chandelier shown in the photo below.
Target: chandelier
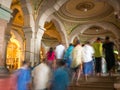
{"x": 84, "y": 6}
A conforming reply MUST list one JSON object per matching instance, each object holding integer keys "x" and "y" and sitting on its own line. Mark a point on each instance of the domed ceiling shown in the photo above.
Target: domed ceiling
{"x": 77, "y": 10}
{"x": 75, "y": 13}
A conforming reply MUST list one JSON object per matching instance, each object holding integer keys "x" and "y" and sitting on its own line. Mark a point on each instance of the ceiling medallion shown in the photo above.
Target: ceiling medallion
{"x": 84, "y": 6}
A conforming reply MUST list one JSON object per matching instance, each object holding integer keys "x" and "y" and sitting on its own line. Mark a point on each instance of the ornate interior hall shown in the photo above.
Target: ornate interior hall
{"x": 29, "y": 27}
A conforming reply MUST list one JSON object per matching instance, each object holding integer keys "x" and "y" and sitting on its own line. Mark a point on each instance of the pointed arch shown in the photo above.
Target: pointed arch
{"x": 60, "y": 27}
{"x": 52, "y": 7}
{"x": 27, "y": 13}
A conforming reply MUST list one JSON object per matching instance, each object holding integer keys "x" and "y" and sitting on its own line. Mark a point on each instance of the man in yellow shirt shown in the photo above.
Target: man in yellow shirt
{"x": 97, "y": 45}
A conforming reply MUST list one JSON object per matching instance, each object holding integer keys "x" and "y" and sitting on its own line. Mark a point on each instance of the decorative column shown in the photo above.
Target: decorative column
{"x": 119, "y": 46}
{"x": 38, "y": 44}
{"x": 5, "y": 15}
{"x": 3, "y": 25}
{"x": 29, "y": 44}
{"x": 7, "y": 37}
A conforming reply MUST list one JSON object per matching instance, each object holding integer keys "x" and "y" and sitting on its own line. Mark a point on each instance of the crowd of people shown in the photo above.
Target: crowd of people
{"x": 63, "y": 66}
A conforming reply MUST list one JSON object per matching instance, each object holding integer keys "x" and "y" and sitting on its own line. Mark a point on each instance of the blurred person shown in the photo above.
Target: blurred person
{"x": 50, "y": 57}
{"x": 59, "y": 51}
{"x": 97, "y": 45}
{"x": 108, "y": 48}
{"x": 24, "y": 77}
{"x": 41, "y": 76}
{"x": 60, "y": 80}
{"x": 76, "y": 64}
{"x": 87, "y": 58}
{"x": 68, "y": 55}
{"x": 13, "y": 82}
{"x": 104, "y": 66}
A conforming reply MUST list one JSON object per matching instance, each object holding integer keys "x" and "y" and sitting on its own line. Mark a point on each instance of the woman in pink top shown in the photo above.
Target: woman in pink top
{"x": 51, "y": 57}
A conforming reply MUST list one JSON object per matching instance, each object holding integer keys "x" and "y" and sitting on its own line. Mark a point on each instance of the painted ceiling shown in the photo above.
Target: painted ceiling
{"x": 73, "y": 13}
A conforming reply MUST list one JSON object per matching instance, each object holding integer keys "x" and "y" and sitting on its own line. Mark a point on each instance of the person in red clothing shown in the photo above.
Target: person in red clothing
{"x": 51, "y": 57}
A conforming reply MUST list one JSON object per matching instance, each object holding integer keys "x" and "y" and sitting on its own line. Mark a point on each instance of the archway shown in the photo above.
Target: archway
{"x": 16, "y": 44}
{"x": 49, "y": 10}
{"x": 105, "y": 25}
{"x": 49, "y": 39}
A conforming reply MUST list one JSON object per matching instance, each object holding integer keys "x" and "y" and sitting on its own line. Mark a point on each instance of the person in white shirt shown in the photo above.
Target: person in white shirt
{"x": 76, "y": 64}
{"x": 59, "y": 51}
{"x": 41, "y": 76}
{"x": 87, "y": 58}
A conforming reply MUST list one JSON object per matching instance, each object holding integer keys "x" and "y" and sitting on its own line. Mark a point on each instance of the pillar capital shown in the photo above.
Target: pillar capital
{"x": 41, "y": 31}
{"x": 27, "y": 29}
{"x": 28, "y": 32}
{"x": 5, "y": 13}
{"x": 42, "y": 28}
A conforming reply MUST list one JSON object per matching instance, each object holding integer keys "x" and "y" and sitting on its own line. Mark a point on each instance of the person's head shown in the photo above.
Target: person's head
{"x": 61, "y": 63}
{"x": 83, "y": 45}
{"x": 26, "y": 63}
{"x": 87, "y": 42}
{"x": 70, "y": 44}
{"x": 98, "y": 39}
{"x": 107, "y": 38}
{"x": 77, "y": 42}
{"x": 51, "y": 49}
{"x": 60, "y": 43}
{"x": 43, "y": 60}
